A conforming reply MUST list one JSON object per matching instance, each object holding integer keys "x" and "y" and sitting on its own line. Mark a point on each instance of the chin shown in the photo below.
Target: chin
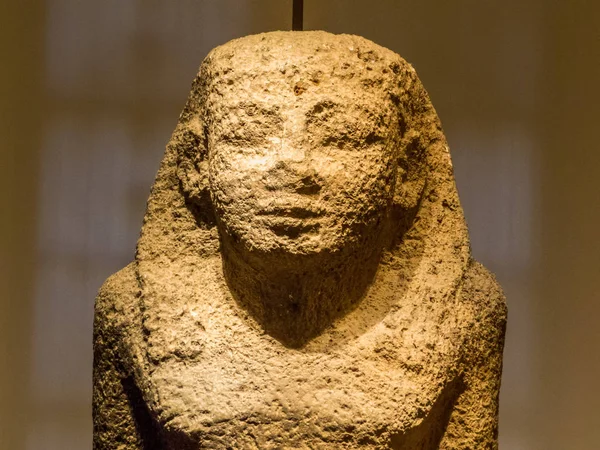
{"x": 280, "y": 249}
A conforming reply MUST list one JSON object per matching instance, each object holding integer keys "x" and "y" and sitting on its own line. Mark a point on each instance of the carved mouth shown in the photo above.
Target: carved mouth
{"x": 291, "y": 217}
{"x": 290, "y": 226}
{"x": 296, "y": 212}
{"x": 296, "y": 208}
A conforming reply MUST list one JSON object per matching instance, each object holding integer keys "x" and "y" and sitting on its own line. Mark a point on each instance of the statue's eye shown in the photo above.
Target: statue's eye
{"x": 249, "y": 131}
{"x": 350, "y": 136}
{"x": 242, "y": 135}
{"x": 339, "y": 140}
{"x": 344, "y": 127}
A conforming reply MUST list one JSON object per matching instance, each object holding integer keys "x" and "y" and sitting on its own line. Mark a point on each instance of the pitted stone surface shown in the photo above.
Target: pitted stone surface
{"x": 303, "y": 277}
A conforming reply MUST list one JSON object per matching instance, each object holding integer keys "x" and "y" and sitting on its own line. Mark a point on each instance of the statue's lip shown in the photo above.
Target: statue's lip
{"x": 292, "y": 227}
{"x": 292, "y": 211}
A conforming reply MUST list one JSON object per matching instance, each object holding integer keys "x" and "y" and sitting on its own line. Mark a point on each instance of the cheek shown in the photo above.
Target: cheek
{"x": 364, "y": 179}
{"x": 230, "y": 179}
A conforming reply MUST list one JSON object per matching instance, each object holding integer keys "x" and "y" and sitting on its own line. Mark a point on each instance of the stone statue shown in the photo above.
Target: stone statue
{"x": 303, "y": 277}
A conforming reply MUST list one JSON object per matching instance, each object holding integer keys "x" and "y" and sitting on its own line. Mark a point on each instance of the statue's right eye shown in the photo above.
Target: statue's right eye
{"x": 241, "y": 135}
{"x": 250, "y": 134}
{"x": 249, "y": 125}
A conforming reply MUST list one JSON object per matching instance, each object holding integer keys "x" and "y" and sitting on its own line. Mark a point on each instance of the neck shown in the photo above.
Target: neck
{"x": 294, "y": 298}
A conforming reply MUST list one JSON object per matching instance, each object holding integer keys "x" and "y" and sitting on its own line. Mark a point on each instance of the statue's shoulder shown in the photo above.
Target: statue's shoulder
{"x": 485, "y": 298}
{"x": 481, "y": 289}
{"x": 116, "y": 297}
{"x": 117, "y": 318}
{"x": 117, "y": 422}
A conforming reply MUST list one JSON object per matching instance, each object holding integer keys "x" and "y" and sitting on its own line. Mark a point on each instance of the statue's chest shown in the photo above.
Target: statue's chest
{"x": 225, "y": 383}
{"x": 243, "y": 388}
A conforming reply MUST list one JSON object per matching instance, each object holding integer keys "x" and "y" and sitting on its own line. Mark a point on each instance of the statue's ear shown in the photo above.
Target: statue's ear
{"x": 411, "y": 176}
{"x": 192, "y": 161}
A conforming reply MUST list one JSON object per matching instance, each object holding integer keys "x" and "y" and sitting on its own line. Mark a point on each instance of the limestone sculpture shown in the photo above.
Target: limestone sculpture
{"x": 303, "y": 277}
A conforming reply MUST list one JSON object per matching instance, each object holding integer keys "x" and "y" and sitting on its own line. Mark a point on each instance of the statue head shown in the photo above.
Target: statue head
{"x": 304, "y": 143}
{"x": 307, "y": 156}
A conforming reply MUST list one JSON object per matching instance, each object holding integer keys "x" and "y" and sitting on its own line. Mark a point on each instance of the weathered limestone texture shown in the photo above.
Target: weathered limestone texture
{"x": 303, "y": 277}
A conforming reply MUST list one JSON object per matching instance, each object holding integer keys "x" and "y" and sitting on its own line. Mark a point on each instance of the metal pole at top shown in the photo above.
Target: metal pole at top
{"x": 298, "y": 15}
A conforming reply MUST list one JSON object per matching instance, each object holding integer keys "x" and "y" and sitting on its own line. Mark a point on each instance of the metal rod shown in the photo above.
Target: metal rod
{"x": 298, "y": 17}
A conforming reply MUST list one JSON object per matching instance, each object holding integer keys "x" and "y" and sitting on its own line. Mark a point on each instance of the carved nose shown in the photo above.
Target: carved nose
{"x": 309, "y": 185}
{"x": 291, "y": 153}
{"x": 292, "y": 169}
{"x": 299, "y": 178}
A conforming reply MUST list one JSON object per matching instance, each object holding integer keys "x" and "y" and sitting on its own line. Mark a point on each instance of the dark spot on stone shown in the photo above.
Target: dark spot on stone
{"x": 300, "y": 88}
{"x": 373, "y": 138}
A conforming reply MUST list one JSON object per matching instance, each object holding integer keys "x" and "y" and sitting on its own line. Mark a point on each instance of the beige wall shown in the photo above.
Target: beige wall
{"x": 21, "y": 104}
{"x": 569, "y": 277}
{"x": 90, "y": 92}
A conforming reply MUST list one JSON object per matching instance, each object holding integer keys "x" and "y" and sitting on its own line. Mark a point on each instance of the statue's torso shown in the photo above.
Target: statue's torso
{"x": 225, "y": 382}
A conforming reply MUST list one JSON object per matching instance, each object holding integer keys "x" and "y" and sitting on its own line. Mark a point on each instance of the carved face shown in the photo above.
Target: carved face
{"x": 300, "y": 166}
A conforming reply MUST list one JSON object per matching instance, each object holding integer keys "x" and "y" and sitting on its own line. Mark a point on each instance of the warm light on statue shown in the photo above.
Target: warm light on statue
{"x": 303, "y": 278}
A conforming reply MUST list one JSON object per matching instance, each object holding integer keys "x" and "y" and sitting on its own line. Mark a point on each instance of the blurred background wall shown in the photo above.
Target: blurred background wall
{"x": 90, "y": 92}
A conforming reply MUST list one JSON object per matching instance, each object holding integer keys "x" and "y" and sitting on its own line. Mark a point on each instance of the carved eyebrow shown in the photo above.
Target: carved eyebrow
{"x": 253, "y": 109}
{"x": 327, "y": 109}
{"x": 323, "y": 108}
